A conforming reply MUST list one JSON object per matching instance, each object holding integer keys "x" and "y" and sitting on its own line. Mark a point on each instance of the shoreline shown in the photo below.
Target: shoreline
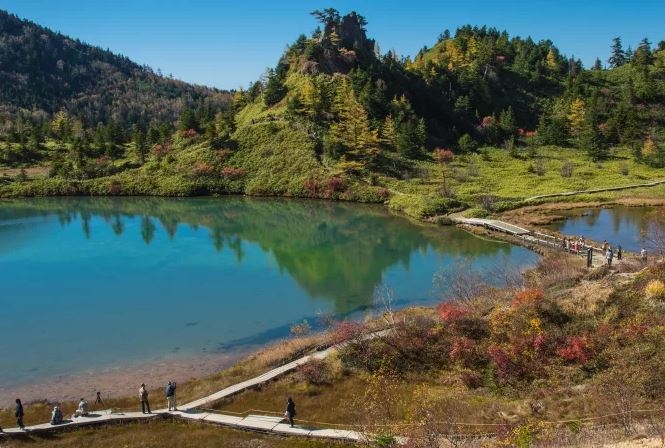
{"x": 121, "y": 381}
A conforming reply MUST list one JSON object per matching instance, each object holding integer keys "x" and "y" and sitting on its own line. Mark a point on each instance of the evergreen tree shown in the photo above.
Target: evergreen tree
{"x": 467, "y": 144}
{"x": 187, "y": 120}
{"x": 274, "y": 89}
{"x": 591, "y": 138}
{"x": 350, "y": 133}
{"x": 643, "y": 56}
{"x": 139, "y": 140}
{"x": 618, "y": 56}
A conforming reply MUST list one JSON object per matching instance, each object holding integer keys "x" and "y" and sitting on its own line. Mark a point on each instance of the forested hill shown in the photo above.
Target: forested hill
{"x": 45, "y": 72}
{"x": 336, "y": 118}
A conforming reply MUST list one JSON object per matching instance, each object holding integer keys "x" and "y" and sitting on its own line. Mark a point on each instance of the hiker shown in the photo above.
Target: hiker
{"x": 643, "y": 255}
{"x": 605, "y": 246}
{"x": 619, "y": 252}
{"x": 82, "y": 410}
{"x": 143, "y": 397}
{"x": 56, "y": 416}
{"x": 170, "y": 396}
{"x": 564, "y": 243}
{"x": 589, "y": 257}
{"x": 19, "y": 414}
{"x": 290, "y": 411}
{"x": 608, "y": 256}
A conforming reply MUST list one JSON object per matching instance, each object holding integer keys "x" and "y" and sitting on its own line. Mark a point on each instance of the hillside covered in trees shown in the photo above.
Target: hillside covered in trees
{"x": 43, "y": 74}
{"x": 335, "y": 118}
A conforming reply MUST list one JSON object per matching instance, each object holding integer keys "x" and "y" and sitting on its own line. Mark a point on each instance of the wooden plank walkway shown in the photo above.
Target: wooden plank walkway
{"x": 529, "y": 236}
{"x": 494, "y": 224}
{"x": 191, "y": 410}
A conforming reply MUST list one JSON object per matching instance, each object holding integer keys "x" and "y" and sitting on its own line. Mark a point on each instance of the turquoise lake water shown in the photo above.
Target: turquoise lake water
{"x": 97, "y": 282}
{"x": 630, "y": 227}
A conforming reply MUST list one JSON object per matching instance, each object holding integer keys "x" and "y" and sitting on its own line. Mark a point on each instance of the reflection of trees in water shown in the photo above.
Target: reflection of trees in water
{"x": 655, "y": 233}
{"x": 333, "y": 250}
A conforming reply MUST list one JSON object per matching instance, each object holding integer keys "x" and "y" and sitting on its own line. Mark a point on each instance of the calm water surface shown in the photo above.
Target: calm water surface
{"x": 97, "y": 282}
{"x": 630, "y": 227}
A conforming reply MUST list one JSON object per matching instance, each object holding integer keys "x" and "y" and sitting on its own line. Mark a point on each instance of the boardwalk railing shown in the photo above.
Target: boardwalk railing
{"x": 575, "y": 247}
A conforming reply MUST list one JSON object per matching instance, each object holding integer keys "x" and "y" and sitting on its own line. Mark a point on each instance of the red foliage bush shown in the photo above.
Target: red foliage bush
{"x": 347, "y": 331}
{"x": 190, "y": 133}
{"x": 487, "y": 121}
{"x": 317, "y": 372}
{"x": 311, "y": 187}
{"x": 203, "y": 169}
{"x": 334, "y": 185}
{"x": 577, "y": 349}
{"x": 451, "y": 312}
{"x": 384, "y": 193}
{"x": 528, "y": 297}
{"x": 465, "y": 352}
{"x": 443, "y": 155}
{"x": 115, "y": 188}
{"x": 471, "y": 379}
{"x": 232, "y": 173}
{"x": 161, "y": 151}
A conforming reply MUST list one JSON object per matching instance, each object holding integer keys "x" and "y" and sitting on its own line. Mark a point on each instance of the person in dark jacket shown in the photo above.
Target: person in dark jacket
{"x": 290, "y": 410}
{"x": 170, "y": 396}
{"x": 19, "y": 413}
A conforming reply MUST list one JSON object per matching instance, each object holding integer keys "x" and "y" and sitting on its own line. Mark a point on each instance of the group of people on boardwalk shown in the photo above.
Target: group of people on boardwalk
{"x": 83, "y": 408}
{"x": 574, "y": 245}
{"x": 580, "y": 246}
{"x": 170, "y": 397}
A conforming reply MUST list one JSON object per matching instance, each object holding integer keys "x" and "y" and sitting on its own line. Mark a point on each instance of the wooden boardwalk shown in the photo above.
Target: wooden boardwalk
{"x": 192, "y": 411}
{"x": 495, "y": 224}
{"x": 531, "y": 237}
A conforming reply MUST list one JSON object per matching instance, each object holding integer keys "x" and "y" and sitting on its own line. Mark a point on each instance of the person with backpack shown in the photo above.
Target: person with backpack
{"x": 143, "y": 397}
{"x": 290, "y": 411}
{"x": 170, "y": 396}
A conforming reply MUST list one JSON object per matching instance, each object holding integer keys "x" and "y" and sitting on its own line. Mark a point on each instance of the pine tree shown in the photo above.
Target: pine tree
{"x": 592, "y": 140}
{"x": 618, "y": 56}
{"x": 138, "y": 137}
{"x": 351, "y": 132}
{"x": 389, "y": 133}
{"x": 576, "y": 116}
{"x": 643, "y": 56}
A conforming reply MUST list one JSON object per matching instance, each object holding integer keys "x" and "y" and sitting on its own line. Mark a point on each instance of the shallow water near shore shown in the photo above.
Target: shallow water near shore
{"x": 90, "y": 284}
{"x": 630, "y": 227}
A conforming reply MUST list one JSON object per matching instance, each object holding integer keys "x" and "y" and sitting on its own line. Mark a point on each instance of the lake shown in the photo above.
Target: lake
{"x": 630, "y": 227}
{"x": 89, "y": 283}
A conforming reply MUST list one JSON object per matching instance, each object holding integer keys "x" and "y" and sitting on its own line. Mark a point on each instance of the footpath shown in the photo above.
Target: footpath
{"x": 194, "y": 411}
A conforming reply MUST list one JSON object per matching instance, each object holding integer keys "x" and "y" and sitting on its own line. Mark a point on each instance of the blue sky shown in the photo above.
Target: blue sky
{"x": 228, "y": 44}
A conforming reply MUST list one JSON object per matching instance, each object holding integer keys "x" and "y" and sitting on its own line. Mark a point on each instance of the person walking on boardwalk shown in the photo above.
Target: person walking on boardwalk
{"x": 605, "y": 246}
{"x": 290, "y": 410}
{"x": 619, "y": 252}
{"x": 608, "y": 256}
{"x": 143, "y": 397}
{"x": 643, "y": 255}
{"x": 170, "y": 396}
{"x": 18, "y": 413}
